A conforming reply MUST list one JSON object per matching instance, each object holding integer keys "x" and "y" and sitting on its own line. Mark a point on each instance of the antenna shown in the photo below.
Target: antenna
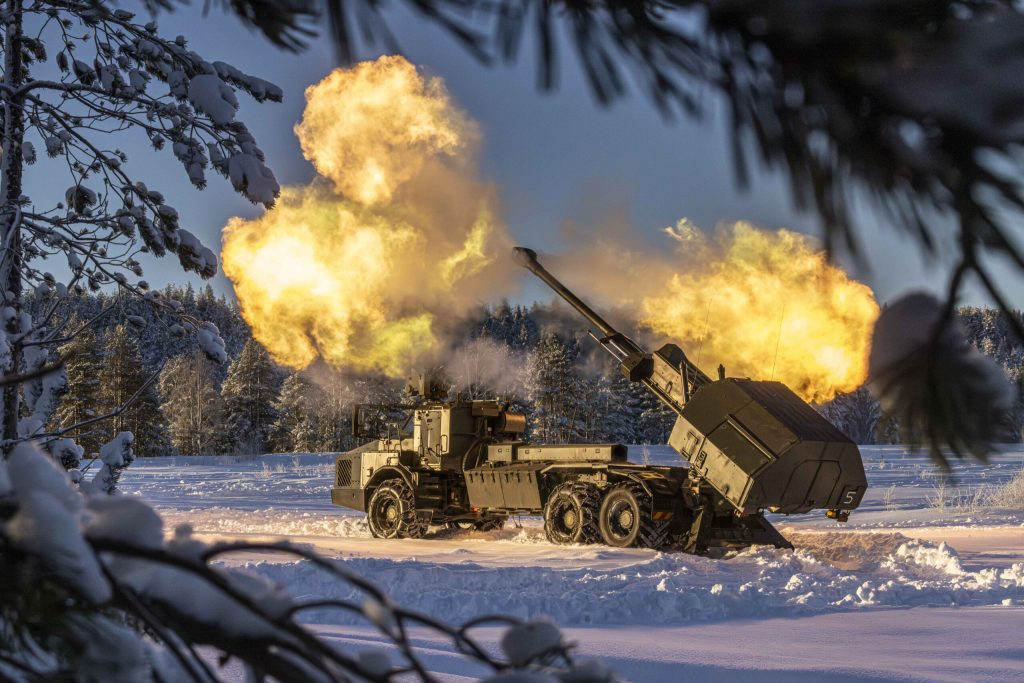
{"x": 778, "y": 340}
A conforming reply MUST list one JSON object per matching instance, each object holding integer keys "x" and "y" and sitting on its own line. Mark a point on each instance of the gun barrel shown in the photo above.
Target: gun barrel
{"x": 527, "y": 258}
{"x": 667, "y": 372}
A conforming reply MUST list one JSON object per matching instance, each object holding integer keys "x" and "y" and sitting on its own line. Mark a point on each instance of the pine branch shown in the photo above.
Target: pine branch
{"x": 116, "y": 412}
{"x": 23, "y": 377}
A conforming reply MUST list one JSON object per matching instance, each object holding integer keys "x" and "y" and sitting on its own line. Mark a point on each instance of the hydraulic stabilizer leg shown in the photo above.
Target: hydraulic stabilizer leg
{"x": 732, "y": 531}
{"x": 714, "y": 529}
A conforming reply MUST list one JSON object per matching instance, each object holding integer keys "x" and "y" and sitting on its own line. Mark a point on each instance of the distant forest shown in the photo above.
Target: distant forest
{"x": 529, "y": 356}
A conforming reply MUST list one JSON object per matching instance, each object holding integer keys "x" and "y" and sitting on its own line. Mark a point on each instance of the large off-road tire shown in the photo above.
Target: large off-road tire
{"x": 624, "y": 519}
{"x": 570, "y": 514}
{"x": 392, "y": 512}
{"x": 486, "y": 524}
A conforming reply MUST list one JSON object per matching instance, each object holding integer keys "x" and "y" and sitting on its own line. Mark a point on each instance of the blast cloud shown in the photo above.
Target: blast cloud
{"x": 369, "y": 266}
{"x": 377, "y": 264}
{"x": 766, "y": 304}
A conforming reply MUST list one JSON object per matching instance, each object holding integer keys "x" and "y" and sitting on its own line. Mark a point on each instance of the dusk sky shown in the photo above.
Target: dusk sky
{"x": 554, "y": 157}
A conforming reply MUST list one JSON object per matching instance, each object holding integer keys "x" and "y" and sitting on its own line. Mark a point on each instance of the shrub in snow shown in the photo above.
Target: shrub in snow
{"x": 116, "y": 455}
{"x": 1009, "y": 495}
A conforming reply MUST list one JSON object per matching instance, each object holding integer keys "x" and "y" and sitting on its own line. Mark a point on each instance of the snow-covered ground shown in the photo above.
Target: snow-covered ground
{"x": 926, "y": 581}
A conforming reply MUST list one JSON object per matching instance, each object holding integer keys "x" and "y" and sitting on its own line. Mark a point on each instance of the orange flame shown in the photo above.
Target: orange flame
{"x": 362, "y": 267}
{"x": 768, "y": 305}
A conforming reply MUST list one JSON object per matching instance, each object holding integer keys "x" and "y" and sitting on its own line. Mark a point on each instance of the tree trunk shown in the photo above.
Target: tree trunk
{"x": 10, "y": 218}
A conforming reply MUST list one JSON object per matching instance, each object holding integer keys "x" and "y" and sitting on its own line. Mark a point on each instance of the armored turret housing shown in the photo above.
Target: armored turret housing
{"x": 762, "y": 448}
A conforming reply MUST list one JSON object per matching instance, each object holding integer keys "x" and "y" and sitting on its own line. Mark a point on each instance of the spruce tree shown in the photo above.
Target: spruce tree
{"x": 192, "y": 404}
{"x": 81, "y": 400}
{"x": 293, "y": 429}
{"x": 121, "y": 377}
{"x": 249, "y": 393}
{"x": 625, "y": 405}
{"x": 654, "y": 423}
{"x": 553, "y": 389}
{"x": 331, "y": 407}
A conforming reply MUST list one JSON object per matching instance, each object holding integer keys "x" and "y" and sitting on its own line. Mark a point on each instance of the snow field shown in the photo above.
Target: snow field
{"x": 462, "y": 574}
{"x": 867, "y": 601}
{"x": 668, "y": 589}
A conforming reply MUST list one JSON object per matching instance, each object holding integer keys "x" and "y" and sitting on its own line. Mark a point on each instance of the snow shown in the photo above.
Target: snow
{"x": 921, "y": 568}
{"x": 257, "y": 87}
{"x": 211, "y": 342}
{"x": 528, "y": 642}
{"x": 250, "y": 176}
{"x": 213, "y": 97}
{"x": 46, "y": 523}
{"x": 903, "y": 335}
{"x": 126, "y": 519}
{"x": 118, "y": 451}
{"x": 194, "y": 255}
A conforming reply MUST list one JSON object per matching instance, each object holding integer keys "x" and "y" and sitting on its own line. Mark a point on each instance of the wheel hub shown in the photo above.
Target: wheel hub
{"x": 569, "y": 519}
{"x": 390, "y": 514}
{"x": 625, "y": 519}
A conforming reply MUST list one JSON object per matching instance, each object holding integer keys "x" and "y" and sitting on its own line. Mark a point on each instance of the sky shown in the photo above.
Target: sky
{"x": 555, "y": 157}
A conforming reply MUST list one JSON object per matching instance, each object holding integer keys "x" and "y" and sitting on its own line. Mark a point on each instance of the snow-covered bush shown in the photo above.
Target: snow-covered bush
{"x": 1009, "y": 495}
{"x": 116, "y": 455}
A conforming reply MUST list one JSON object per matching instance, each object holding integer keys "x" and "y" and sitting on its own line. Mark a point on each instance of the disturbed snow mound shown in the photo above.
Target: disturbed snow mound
{"x": 669, "y": 588}
{"x": 268, "y": 522}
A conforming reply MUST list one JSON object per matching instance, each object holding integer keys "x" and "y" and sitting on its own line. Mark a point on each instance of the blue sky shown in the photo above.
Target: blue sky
{"x": 554, "y": 157}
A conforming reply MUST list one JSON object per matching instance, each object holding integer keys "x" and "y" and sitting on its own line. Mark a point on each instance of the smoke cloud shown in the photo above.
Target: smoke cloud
{"x": 377, "y": 264}
{"x": 371, "y": 266}
{"x": 766, "y": 304}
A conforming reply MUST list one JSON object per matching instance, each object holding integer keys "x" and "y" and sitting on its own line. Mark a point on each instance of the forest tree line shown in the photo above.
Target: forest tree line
{"x": 570, "y": 392}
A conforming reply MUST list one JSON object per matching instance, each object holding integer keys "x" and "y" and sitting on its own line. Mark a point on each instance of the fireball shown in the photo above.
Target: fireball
{"x": 363, "y": 266}
{"x": 767, "y": 305}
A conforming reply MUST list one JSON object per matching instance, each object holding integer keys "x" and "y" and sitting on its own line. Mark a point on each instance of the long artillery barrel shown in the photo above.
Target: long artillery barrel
{"x": 667, "y": 372}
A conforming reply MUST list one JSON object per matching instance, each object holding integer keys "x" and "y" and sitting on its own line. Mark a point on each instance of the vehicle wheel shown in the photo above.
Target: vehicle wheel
{"x": 570, "y": 514}
{"x": 624, "y": 519}
{"x": 392, "y": 512}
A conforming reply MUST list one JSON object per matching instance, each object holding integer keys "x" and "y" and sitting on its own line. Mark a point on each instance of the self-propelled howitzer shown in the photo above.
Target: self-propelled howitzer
{"x": 751, "y": 445}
